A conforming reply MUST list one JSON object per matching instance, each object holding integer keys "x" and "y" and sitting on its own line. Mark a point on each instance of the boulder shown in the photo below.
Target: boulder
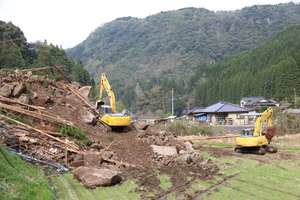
{"x": 19, "y": 89}
{"x": 151, "y": 130}
{"x": 92, "y": 159}
{"x": 6, "y": 90}
{"x": 140, "y": 126}
{"x": 85, "y": 91}
{"x": 189, "y": 146}
{"x": 75, "y": 85}
{"x": 89, "y": 118}
{"x": 23, "y": 99}
{"x": 106, "y": 154}
{"x": 94, "y": 177}
{"x": 164, "y": 150}
{"x": 78, "y": 163}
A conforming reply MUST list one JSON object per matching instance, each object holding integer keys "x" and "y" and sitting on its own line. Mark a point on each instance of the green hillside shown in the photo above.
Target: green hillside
{"x": 16, "y": 52}
{"x": 271, "y": 70}
{"x": 162, "y": 51}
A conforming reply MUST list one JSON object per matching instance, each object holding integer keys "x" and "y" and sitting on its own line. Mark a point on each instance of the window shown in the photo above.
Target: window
{"x": 239, "y": 116}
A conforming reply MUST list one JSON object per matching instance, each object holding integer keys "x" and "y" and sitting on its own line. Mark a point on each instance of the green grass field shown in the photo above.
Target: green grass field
{"x": 272, "y": 176}
{"x": 20, "y": 180}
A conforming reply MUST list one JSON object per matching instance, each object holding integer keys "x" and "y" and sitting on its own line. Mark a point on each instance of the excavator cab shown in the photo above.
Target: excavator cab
{"x": 104, "y": 109}
{"x": 248, "y": 131}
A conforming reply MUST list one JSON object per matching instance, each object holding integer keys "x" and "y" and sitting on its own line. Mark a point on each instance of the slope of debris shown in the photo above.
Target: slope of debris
{"x": 142, "y": 153}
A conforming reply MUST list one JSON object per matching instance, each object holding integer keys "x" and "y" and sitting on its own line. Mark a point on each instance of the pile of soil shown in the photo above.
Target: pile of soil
{"x": 133, "y": 147}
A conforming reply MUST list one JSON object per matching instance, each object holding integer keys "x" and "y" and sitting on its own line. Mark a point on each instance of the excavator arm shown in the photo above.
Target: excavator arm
{"x": 267, "y": 115}
{"x": 104, "y": 84}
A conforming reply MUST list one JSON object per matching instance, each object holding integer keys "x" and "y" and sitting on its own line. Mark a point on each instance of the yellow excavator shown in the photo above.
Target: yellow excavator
{"x": 258, "y": 140}
{"x": 108, "y": 118}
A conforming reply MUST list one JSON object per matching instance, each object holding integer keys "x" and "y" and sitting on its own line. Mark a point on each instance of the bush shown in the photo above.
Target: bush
{"x": 287, "y": 123}
{"x": 183, "y": 128}
{"x": 72, "y": 131}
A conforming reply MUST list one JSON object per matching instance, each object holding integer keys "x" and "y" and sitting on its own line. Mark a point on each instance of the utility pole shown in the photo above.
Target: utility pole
{"x": 295, "y": 96}
{"x": 172, "y": 102}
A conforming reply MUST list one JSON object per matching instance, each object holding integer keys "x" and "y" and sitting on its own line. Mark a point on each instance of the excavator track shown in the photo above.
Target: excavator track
{"x": 104, "y": 126}
{"x": 257, "y": 150}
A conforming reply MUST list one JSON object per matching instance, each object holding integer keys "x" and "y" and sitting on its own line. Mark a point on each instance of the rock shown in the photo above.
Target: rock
{"x": 34, "y": 95}
{"x": 85, "y": 91}
{"x": 28, "y": 74}
{"x": 75, "y": 85}
{"x": 95, "y": 177}
{"x": 89, "y": 118}
{"x": 189, "y": 146}
{"x": 140, "y": 126}
{"x": 159, "y": 141}
{"x": 141, "y": 133}
{"x": 151, "y": 139}
{"x": 162, "y": 134}
{"x": 6, "y": 90}
{"x": 78, "y": 163}
{"x": 196, "y": 158}
{"x": 151, "y": 130}
{"x": 18, "y": 89}
{"x": 184, "y": 159}
{"x": 96, "y": 146}
{"x": 23, "y": 99}
{"x": 107, "y": 154}
{"x": 78, "y": 157}
{"x": 41, "y": 100}
{"x": 206, "y": 161}
{"x": 163, "y": 150}
{"x": 92, "y": 159}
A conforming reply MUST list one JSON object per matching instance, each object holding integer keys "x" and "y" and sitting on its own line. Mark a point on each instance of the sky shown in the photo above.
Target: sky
{"x": 67, "y": 23}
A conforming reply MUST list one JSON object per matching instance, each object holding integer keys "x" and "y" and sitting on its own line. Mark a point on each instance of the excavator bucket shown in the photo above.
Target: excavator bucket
{"x": 99, "y": 104}
{"x": 270, "y": 132}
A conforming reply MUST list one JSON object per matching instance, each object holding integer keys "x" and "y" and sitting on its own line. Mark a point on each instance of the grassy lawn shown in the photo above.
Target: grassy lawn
{"x": 66, "y": 188}
{"x": 20, "y": 180}
{"x": 249, "y": 180}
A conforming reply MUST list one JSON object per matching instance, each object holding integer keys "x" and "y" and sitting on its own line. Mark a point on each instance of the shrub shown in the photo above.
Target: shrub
{"x": 72, "y": 131}
{"x": 183, "y": 128}
{"x": 287, "y": 123}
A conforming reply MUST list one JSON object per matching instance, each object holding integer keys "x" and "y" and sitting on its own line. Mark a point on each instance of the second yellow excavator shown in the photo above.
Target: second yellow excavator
{"x": 109, "y": 119}
{"x": 258, "y": 140}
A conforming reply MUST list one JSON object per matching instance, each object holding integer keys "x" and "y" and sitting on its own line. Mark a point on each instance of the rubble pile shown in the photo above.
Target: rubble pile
{"x": 112, "y": 158}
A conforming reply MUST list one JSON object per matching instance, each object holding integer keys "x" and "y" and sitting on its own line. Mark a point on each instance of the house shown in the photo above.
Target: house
{"x": 196, "y": 114}
{"x": 295, "y": 111}
{"x": 225, "y": 113}
{"x": 253, "y": 102}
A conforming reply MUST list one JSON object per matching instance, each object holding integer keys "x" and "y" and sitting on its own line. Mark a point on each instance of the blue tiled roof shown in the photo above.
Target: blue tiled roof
{"x": 223, "y": 106}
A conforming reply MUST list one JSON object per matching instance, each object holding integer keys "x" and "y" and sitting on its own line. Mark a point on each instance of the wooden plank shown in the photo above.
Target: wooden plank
{"x": 82, "y": 98}
{"x": 209, "y": 138}
{"x": 71, "y": 147}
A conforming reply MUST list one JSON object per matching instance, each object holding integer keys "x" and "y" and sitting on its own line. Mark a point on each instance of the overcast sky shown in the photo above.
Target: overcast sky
{"x": 69, "y": 22}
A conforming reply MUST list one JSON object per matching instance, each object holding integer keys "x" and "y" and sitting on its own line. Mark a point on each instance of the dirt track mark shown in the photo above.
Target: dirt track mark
{"x": 266, "y": 187}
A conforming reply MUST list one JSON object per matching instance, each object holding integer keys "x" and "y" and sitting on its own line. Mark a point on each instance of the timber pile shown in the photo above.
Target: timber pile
{"x": 30, "y": 97}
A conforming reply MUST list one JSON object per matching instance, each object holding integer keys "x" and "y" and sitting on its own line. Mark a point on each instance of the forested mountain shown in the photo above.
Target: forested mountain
{"x": 16, "y": 52}
{"x": 145, "y": 58}
{"x": 271, "y": 70}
